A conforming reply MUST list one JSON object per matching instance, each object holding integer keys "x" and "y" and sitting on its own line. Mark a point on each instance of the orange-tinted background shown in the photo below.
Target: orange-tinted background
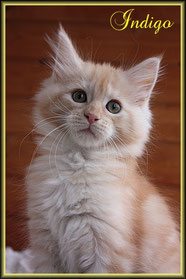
{"x": 27, "y": 54}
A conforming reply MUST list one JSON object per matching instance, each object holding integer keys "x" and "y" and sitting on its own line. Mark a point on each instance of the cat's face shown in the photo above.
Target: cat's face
{"x": 94, "y": 110}
{"x": 97, "y": 105}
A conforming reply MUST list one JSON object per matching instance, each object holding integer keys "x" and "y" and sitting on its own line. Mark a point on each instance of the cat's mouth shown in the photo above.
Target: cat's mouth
{"x": 88, "y": 131}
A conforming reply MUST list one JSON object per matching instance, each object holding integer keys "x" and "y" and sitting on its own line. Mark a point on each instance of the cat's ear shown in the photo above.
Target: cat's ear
{"x": 144, "y": 76}
{"x": 65, "y": 59}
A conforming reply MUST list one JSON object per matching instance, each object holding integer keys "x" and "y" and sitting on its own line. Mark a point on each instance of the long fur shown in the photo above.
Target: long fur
{"x": 90, "y": 209}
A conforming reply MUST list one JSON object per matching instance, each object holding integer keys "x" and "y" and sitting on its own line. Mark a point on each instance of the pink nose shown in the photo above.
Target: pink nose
{"x": 91, "y": 117}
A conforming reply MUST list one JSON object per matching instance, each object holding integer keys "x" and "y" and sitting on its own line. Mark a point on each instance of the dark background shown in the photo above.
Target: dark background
{"x": 26, "y": 57}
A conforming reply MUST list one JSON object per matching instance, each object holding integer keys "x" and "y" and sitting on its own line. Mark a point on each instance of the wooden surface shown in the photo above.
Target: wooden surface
{"x": 89, "y": 27}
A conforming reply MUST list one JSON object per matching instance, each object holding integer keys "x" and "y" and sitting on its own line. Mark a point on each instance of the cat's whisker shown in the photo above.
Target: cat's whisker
{"x": 60, "y": 102}
{"x": 116, "y": 155}
{"x": 126, "y": 147}
{"x": 50, "y": 154}
{"x": 38, "y": 125}
{"x": 56, "y": 104}
{"x": 61, "y": 114}
{"x": 116, "y": 146}
{"x": 59, "y": 142}
{"x": 120, "y": 140}
{"x": 40, "y": 143}
{"x": 107, "y": 149}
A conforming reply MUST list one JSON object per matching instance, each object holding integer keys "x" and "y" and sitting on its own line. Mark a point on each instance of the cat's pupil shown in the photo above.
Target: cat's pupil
{"x": 113, "y": 107}
{"x": 79, "y": 96}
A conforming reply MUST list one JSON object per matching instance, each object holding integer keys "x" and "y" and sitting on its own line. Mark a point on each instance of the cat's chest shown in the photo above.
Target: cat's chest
{"x": 82, "y": 182}
{"x": 83, "y": 187}
{"x": 73, "y": 169}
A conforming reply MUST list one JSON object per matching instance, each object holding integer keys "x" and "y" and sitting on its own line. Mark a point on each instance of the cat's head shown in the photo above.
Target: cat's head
{"x": 97, "y": 105}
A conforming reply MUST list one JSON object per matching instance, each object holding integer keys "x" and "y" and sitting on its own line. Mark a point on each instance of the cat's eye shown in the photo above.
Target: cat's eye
{"x": 113, "y": 106}
{"x": 79, "y": 96}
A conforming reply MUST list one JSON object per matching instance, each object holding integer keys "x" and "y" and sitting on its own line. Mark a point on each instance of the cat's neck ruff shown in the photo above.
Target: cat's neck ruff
{"x": 107, "y": 158}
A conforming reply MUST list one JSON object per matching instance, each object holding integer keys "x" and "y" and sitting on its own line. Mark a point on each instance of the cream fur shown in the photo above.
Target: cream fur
{"x": 90, "y": 210}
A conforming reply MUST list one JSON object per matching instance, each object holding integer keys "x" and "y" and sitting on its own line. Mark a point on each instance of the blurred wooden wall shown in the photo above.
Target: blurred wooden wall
{"x": 26, "y": 57}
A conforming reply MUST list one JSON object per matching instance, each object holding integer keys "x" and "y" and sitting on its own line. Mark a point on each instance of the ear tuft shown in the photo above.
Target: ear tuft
{"x": 65, "y": 59}
{"x": 144, "y": 76}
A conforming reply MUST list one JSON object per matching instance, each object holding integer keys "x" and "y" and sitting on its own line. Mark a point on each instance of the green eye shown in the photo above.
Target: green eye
{"x": 79, "y": 96}
{"x": 113, "y": 107}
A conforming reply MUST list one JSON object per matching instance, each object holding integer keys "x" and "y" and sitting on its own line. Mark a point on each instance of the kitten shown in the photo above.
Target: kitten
{"x": 90, "y": 209}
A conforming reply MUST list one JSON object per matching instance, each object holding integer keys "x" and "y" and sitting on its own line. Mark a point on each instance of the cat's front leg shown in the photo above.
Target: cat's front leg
{"x": 100, "y": 266}
{"x": 96, "y": 262}
{"x": 44, "y": 250}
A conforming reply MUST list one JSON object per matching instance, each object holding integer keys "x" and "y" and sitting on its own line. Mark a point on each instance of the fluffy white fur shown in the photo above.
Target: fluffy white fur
{"x": 83, "y": 188}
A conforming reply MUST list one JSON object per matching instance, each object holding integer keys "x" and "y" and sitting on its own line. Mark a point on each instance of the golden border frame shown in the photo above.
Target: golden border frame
{"x": 3, "y": 122}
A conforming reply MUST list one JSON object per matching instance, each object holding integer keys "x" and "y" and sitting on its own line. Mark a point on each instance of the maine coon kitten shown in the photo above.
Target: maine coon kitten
{"x": 90, "y": 209}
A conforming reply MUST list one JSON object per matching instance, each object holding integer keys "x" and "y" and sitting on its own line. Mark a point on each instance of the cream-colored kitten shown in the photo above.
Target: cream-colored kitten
{"x": 90, "y": 209}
